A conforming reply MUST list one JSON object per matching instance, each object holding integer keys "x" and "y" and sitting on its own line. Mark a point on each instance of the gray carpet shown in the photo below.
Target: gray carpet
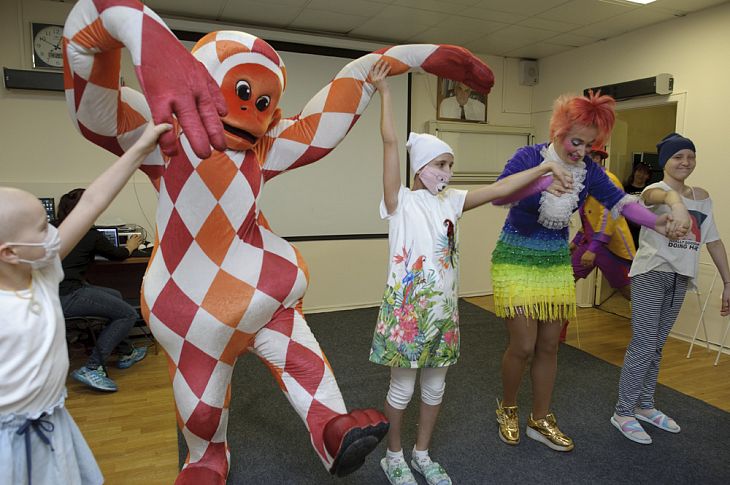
{"x": 270, "y": 445}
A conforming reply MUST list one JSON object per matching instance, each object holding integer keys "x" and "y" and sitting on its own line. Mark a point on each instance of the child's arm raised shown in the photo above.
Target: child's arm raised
{"x": 102, "y": 191}
{"x": 502, "y": 189}
{"x": 391, "y": 164}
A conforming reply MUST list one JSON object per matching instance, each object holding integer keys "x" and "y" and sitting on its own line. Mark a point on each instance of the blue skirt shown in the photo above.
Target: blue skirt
{"x": 58, "y": 452}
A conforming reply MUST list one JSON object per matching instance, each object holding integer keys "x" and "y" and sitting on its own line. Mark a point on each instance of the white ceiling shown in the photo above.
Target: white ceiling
{"x": 513, "y": 28}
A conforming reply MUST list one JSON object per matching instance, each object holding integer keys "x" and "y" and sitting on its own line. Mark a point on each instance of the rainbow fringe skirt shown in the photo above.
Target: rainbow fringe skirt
{"x": 532, "y": 275}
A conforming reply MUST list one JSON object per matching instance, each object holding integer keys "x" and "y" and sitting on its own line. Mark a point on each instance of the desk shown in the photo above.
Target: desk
{"x": 125, "y": 276}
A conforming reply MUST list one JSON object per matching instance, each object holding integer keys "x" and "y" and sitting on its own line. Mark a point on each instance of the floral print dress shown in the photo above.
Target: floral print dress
{"x": 418, "y": 323}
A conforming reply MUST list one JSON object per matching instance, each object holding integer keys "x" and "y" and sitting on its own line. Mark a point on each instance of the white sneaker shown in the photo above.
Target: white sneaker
{"x": 398, "y": 472}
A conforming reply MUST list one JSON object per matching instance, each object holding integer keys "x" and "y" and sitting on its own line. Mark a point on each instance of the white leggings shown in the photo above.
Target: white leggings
{"x": 403, "y": 381}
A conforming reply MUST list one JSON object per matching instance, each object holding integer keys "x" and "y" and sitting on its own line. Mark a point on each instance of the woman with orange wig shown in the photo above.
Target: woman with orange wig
{"x": 534, "y": 289}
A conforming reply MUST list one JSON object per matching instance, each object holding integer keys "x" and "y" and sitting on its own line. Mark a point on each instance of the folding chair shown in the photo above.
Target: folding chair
{"x": 90, "y": 325}
{"x": 722, "y": 342}
{"x": 141, "y": 325}
{"x": 701, "y": 320}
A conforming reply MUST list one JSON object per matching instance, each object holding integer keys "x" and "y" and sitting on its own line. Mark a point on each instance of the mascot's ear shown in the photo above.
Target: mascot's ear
{"x": 275, "y": 119}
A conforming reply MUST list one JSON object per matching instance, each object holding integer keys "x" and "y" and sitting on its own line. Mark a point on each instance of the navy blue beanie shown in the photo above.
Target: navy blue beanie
{"x": 670, "y": 145}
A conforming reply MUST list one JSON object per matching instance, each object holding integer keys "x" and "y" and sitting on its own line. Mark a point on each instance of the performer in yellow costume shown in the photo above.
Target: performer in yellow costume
{"x": 604, "y": 242}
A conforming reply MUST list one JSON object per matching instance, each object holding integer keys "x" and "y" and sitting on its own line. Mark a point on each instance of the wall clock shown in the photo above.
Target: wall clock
{"x": 47, "y": 46}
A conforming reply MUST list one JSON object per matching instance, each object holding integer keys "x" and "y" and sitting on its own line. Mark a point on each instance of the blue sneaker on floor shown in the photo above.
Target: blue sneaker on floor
{"x": 127, "y": 361}
{"x": 95, "y": 378}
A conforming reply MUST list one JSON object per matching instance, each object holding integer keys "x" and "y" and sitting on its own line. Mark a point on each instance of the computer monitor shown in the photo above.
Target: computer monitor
{"x": 49, "y": 204}
{"x": 111, "y": 234}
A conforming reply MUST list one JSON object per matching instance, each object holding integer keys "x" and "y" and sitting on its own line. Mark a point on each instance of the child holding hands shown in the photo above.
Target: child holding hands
{"x": 662, "y": 271}
{"x": 418, "y": 324}
{"x": 38, "y": 438}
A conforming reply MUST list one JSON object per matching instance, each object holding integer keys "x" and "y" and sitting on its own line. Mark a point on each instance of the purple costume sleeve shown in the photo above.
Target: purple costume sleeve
{"x": 639, "y": 214}
{"x": 533, "y": 188}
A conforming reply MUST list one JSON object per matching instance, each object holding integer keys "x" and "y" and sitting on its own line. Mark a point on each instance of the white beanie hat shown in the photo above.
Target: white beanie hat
{"x": 423, "y": 148}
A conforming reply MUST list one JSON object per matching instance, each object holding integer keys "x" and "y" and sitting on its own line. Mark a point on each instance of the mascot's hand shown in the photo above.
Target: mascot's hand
{"x": 458, "y": 64}
{"x": 175, "y": 83}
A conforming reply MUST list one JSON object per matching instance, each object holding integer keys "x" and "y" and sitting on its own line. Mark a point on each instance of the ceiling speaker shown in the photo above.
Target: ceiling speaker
{"x": 529, "y": 74}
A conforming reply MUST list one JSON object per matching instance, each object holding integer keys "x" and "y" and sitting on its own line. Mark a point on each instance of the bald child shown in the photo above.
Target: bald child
{"x": 45, "y": 445}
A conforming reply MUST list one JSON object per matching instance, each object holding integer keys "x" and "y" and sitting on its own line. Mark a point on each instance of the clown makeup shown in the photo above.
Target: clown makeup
{"x": 576, "y": 143}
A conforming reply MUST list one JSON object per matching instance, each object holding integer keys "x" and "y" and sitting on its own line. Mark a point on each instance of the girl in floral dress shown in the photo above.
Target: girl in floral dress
{"x": 418, "y": 324}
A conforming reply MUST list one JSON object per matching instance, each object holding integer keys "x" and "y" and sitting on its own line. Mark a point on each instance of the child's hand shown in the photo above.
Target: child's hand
{"x": 562, "y": 180}
{"x": 588, "y": 259}
{"x": 148, "y": 141}
{"x": 378, "y": 74}
{"x": 664, "y": 226}
{"x": 682, "y": 220}
{"x": 725, "y": 306}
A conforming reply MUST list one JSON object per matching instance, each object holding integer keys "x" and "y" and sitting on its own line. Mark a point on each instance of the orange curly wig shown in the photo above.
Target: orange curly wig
{"x": 594, "y": 110}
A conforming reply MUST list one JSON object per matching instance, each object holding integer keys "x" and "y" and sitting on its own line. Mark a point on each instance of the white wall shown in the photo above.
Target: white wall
{"x": 41, "y": 150}
{"x": 692, "y": 48}
{"x": 44, "y": 154}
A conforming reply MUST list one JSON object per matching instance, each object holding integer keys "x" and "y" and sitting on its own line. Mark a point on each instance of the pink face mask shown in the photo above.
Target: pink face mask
{"x": 433, "y": 179}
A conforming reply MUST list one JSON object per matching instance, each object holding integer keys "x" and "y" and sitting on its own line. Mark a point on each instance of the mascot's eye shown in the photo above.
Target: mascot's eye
{"x": 243, "y": 90}
{"x": 262, "y": 103}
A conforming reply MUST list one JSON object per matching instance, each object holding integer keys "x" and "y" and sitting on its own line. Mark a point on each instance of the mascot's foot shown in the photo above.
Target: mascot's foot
{"x": 349, "y": 438}
{"x": 199, "y": 475}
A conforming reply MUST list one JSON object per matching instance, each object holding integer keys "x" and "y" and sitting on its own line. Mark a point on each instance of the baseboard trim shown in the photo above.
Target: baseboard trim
{"x": 357, "y": 306}
{"x": 699, "y": 343}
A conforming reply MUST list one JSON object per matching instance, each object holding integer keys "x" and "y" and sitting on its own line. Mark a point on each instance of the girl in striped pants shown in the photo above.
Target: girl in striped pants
{"x": 660, "y": 274}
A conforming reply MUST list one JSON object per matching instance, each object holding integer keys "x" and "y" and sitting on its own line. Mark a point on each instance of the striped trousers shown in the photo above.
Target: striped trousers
{"x": 656, "y": 298}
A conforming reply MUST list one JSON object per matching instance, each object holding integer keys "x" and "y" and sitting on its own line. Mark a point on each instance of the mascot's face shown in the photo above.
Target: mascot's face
{"x": 252, "y": 94}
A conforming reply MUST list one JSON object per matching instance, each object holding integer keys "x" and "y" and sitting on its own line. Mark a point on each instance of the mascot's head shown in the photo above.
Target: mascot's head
{"x": 251, "y": 76}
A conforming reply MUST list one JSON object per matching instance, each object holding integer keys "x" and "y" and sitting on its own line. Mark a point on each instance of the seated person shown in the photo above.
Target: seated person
{"x": 79, "y": 298}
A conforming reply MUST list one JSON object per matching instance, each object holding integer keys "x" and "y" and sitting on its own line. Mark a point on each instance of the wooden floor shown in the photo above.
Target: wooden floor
{"x": 132, "y": 432}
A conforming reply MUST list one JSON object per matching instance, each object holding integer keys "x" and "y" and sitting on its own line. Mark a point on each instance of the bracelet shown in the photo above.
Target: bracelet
{"x": 726, "y": 283}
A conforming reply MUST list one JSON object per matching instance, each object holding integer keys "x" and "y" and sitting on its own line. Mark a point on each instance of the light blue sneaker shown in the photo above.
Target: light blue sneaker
{"x": 397, "y": 472}
{"x": 432, "y": 472}
{"x": 95, "y": 378}
{"x": 127, "y": 361}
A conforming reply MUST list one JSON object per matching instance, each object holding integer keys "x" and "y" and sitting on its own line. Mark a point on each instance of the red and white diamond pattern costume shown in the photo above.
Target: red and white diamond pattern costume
{"x": 219, "y": 282}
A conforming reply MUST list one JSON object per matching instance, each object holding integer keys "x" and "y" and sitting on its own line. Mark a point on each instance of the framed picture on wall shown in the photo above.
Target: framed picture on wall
{"x": 456, "y": 101}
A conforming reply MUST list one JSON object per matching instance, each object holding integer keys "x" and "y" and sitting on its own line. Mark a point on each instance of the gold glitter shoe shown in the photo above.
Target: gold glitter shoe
{"x": 509, "y": 425}
{"x": 546, "y": 431}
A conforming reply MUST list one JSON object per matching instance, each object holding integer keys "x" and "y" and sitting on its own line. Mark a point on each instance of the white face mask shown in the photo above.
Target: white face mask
{"x": 51, "y": 244}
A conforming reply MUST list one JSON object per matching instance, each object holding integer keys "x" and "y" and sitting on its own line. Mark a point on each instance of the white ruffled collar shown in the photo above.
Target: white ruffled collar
{"x": 555, "y": 211}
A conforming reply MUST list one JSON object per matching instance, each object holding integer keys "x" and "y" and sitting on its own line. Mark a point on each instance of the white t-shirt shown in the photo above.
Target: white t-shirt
{"x": 474, "y": 110}
{"x": 424, "y": 225}
{"x": 659, "y": 253}
{"x": 33, "y": 352}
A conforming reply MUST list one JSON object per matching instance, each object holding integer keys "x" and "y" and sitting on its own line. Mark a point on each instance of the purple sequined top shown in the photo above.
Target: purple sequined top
{"x": 523, "y": 215}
